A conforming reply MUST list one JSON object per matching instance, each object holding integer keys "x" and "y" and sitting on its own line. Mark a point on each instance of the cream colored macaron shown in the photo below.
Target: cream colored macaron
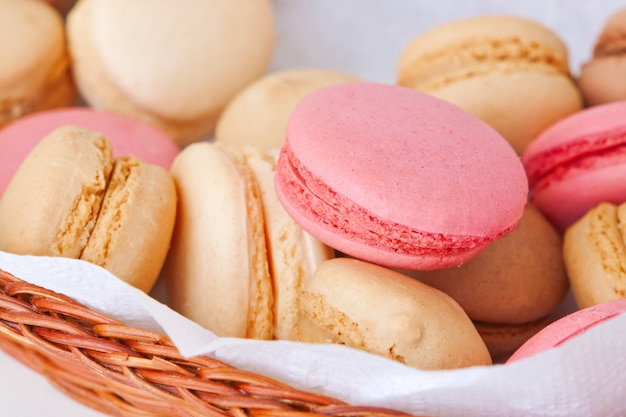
{"x": 217, "y": 270}
{"x": 237, "y": 261}
{"x": 510, "y": 71}
{"x": 293, "y": 254}
{"x": 384, "y": 312}
{"x": 173, "y": 64}
{"x": 35, "y": 71}
{"x": 257, "y": 116}
{"x": 71, "y": 198}
{"x": 595, "y": 255}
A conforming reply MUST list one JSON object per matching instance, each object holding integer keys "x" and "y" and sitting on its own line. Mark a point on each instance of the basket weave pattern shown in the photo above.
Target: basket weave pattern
{"x": 125, "y": 371}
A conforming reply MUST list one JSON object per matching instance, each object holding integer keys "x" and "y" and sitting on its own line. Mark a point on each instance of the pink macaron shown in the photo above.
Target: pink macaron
{"x": 569, "y": 327}
{"x": 127, "y": 135}
{"x": 397, "y": 177}
{"x": 579, "y": 162}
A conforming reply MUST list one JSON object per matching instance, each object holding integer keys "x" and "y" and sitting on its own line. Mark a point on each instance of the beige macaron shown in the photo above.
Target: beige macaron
{"x": 510, "y": 288}
{"x": 173, "y": 64}
{"x": 35, "y": 71}
{"x": 71, "y": 198}
{"x": 217, "y": 269}
{"x": 603, "y": 78}
{"x": 293, "y": 254}
{"x": 257, "y": 116}
{"x": 594, "y": 250}
{"x": 237, "y": 261}
{"x": 509, "y": 71}
{"x": 384, "y": 312}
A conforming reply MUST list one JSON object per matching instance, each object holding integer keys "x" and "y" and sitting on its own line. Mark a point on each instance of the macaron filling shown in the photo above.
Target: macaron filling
{"x": 316, "y": 200}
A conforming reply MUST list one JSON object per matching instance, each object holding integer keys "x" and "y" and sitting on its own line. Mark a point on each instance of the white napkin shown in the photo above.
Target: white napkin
{"x": 583, "y": 377}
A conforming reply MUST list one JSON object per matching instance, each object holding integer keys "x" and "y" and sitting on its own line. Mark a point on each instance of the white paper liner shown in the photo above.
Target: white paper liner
{"x": 583, "y": 377}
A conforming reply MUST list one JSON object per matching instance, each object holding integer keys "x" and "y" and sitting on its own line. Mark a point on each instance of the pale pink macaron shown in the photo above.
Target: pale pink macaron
{"x": 569, "y": 327}
{"x": 578, "y": 163}
{"x": 127, "y": 135}
{"x": 397, "y": 177}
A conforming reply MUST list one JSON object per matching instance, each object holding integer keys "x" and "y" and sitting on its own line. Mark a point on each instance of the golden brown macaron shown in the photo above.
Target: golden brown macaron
{"x": 35, "y": 71}
{"x": 595, "y": 255}
{"x": 172, "y": 64}
{"x": 384, "y": 312}
{"x": 257, "y": 116}
{"x": 510, "y": 288}
{"x": 603, "y": 78}
{"x": 509, "y": 71}
{"x": 71, "y": 198}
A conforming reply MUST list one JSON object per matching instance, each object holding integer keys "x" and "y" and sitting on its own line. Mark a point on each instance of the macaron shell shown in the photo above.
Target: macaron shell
{"x": 569, "y": 327}
{"x": 504, "y": 339}
{"x": 495, "y": 97}
{"x": 127, "y": 136}
{"x": 499, "y": 288}
{"x": 216, "y": 268}
{"x": 601, "y": 79}
{"x": 348, "y": 302}
{"x": 357, "y": 150}
{"x": 480, "y": 38}
{"x": 577, "y": 162}
{"x": 35, "y": 74}
{"x": 32, "y": 43}
{"x": 588, "y": 131}
{"x": 132, "y": 234}
{"x": 293, "y": 253}
{"x": 566, "y": 197}
{"x": 510, "y": 71}
{"x": 258, "y": 114}
{"x": 71, "y": 188}
{"x": 595, "y": 255}
{"x": 442, "y": 151}
{"x": 153, "y": 65}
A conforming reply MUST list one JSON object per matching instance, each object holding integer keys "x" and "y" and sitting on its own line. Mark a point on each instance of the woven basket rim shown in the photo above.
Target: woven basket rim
{"x": 121, "y": 370}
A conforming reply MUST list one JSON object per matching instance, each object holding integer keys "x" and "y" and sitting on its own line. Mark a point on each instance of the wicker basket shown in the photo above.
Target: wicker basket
{"x": 124, "y": 371}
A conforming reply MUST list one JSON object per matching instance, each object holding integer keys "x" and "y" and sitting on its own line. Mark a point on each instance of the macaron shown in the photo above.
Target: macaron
{"x": 174, "y": 65}
{"x": 602, "y": 77}
{"x": 35, "y": 72}
{"x": 510, "y": 71}
{"x": 236, "y": 264}
{"x": 595, "y": 255}
{"x": 509, "y": 297}
{"x": 217, "y": 270}
{"x": 257, "y": 116}
{"x": 381, "y": 311}
{"x": 568, "y": 328}
{"x": 578, "y": 162}
{"x": 293, "y": 254}
{"x": 396, "y": 177}
{"x": 72, "y": 198}
{"x": 127, "y": 135}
